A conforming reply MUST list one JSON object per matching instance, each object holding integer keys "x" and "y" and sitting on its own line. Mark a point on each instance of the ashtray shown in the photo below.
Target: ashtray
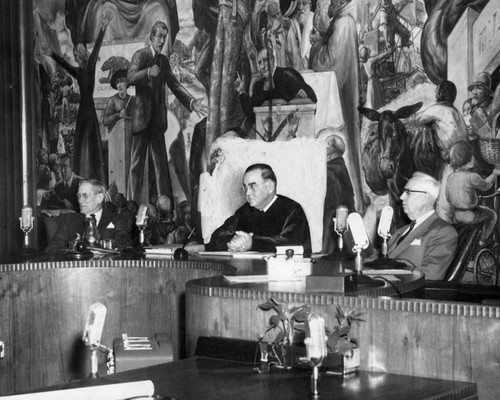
{"x": 78, "y": 255}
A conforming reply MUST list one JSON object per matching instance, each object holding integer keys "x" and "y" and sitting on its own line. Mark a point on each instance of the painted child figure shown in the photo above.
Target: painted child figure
{"x": 462, "y": 189}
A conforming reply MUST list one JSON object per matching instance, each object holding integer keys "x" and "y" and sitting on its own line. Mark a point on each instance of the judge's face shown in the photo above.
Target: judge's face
{"x": 90, "y": 202}
{"x": 159, "y": 39}
{"x": 258, "y": 191}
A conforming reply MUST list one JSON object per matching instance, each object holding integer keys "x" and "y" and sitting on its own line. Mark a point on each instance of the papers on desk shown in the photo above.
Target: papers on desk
{"x": 164, "y": 250}
{"x": 242, "y": 254}
{"x": 261, "y": 278}
{"x": 387, "y": 272}
{"x": 118, "y": 391}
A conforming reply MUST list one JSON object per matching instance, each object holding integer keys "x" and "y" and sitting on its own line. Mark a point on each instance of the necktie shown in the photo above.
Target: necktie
{"x": 156, "y": 59}
{"x": 412, "y": 225}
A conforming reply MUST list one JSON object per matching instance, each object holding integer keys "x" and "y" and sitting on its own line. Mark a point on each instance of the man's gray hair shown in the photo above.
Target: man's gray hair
{"x": 427, "y": 183}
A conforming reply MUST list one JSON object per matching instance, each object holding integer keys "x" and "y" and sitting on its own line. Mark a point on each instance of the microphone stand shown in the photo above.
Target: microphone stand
{"x": 384, "y": 261}
{"x": 359, "y": 279}
{"x": 340, "y": 253}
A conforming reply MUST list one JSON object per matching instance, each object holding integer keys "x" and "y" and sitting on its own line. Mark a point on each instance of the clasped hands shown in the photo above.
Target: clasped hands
{"x": 241, "y": 241}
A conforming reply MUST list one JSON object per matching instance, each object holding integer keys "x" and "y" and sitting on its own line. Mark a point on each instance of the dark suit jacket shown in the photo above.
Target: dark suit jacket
{"x": 430, "y": 247}
{"x": 69, "y": 193}
{"x": 71, "y": 224}
{"x": 150, "y": 111}
{"x": 284, "y": 223}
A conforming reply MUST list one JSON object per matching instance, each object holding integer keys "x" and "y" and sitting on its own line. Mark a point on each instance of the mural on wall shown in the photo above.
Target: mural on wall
{"x": 372, "y": 78}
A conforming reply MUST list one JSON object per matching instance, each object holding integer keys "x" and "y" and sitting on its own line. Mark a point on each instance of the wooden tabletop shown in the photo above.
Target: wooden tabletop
{"x": 210, "y": 379}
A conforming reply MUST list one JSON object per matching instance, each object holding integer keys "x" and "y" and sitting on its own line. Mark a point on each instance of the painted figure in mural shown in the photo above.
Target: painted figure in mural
{"x": 462, "y": 191}
{"x": 335, "y": 48}
{"x": 480, "y": 114}
{"x": 119, "y": 108}
{"x": 119, "y": 105}
{"x": 267, "y": 220}
{"x": 150, "y": 71}
{"x": 132, "y": 18}
{"x": 466, "y": 113}
{"x": 390, "y": 26}
{"x": 91, "y": 195}
{"x": 338, "y": 184}
{"x": 375, "y": 97}
{"x": 66, "y": 90}
{"x": 387, "y": 156}
{"x": 88, "y": 158}
{"x": 446, "y": 121}
{"x": 298, "y": 44}
{"x": 182, "y": 234}
{"x": 67, "y": 188}
{"x": 276, "y": 83}
{"x": 428, "y": 243}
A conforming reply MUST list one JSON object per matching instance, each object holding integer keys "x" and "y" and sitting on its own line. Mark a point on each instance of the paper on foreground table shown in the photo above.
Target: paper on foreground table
{"x": 118, "y": 391}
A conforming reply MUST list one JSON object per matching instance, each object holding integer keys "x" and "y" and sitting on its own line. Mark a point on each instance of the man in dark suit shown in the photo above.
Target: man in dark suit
{"x": 149, "y": 72}
{"x": 267, "y": 220}
{"x": 90, "y": 196}
{"x": 428, "y": 243}
{"x": 67, "y": 187}
{"x": 286, "y": 84}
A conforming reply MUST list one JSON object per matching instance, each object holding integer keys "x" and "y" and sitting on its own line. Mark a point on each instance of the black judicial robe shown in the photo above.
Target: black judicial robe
{"x": 284, "y": 223}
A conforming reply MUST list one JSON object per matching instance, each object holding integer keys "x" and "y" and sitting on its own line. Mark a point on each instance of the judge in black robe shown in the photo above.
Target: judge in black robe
{"x": 273, "y": 221}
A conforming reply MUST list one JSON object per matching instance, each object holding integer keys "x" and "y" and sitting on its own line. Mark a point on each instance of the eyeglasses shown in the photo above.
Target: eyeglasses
{"x": 84, "y": 196}
{"x": 408, "y": 191}
{"x": 252, "y": 186}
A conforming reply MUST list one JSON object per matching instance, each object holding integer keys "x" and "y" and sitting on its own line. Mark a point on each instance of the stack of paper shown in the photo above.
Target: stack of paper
{"x": 261, "y": 278}
{"x": 166, "y": 250}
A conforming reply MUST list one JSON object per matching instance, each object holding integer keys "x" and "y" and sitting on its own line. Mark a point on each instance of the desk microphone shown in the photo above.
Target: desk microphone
{"x": 180, "y": 253}
{"x": 358, "y": 231}
{"x": 384, "y": 225}
{"x": 94, "y": 324}
{"x": 141, "y": 215}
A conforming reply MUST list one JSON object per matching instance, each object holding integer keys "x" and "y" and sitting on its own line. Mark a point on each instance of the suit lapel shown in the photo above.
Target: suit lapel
{"x": 104, "y": 222}
{"x": 415, "y": 234}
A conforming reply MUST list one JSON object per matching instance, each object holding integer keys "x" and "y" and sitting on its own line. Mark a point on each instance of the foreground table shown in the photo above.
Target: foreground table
{"x": 210, "y": 379}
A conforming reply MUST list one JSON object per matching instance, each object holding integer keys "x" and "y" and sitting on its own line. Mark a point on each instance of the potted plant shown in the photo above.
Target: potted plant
{"x": 290, "y": 325}
{"x": 287, "y": 348}
{"x": 343, "y": 349}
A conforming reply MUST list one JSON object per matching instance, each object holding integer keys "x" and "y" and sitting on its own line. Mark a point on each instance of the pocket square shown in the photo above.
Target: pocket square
{"x": 416, "y": 242}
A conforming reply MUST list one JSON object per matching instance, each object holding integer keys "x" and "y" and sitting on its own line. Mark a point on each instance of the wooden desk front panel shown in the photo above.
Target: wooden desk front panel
{"x": 414, "y": 337}
{"x": 43, "y": 307}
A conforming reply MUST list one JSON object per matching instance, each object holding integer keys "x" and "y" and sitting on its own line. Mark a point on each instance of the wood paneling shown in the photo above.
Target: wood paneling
{"x": 455, "y": 341}
{"x": 43, "y": 308}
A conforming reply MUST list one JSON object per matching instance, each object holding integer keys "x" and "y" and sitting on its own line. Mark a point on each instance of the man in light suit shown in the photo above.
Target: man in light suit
{"x": 428, "y": 243}
{"x": 91, "y": 194}
{"x": 149, "y": 72}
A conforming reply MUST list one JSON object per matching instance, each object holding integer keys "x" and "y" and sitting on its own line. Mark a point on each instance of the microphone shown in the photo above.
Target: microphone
{"x": 384, "y": 225}
{"x": 358, "y": 231}
{"x": 341, "y": 214}
{"x": 94, "y": 325}
{"x": 141, "y": 215}
{"x": 315, "y": 341}
{"x": 316, "y": 349}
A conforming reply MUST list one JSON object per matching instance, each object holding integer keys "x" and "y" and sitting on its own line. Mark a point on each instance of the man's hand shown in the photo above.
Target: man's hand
{"x": 241, "y": 241}
{"x": 302, "y": 94}
{"x": 239, "y": 83}
{"x": 154, "y": 71}
{"x": 199, "y": 108}
{"x": 106, "y": 19}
